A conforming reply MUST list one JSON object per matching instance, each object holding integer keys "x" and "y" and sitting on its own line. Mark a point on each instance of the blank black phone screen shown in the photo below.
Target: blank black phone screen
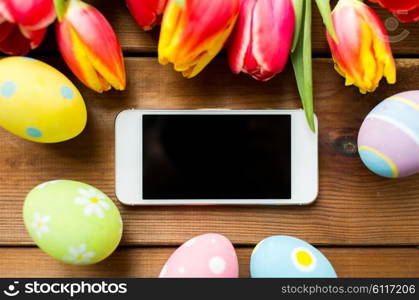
{"x": 216, "y": 156}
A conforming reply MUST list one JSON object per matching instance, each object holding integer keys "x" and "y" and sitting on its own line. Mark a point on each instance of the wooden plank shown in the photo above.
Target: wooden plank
{"x": 404, "y": 37}
{"x": 355, "y": 207}
{"x": 147, "y": 262}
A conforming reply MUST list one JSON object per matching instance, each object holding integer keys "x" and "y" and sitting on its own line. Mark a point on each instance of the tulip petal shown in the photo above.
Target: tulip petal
{"x": 409, "y": 16}
{"x": 404, "y": 10}
{"x": 273, "y": 29}
{"x": 146, "y": 12}
{"x": 91, "y": 48}
{"x": 192, "y": 35}
{"x": 363, "y": 55}
{"x": 34, "y": 36}
{"x": 34, "y": 14}
{"x": 240, "y": 40}
{"x": 398, "y": 5}
{"x": 15, "y": 43}
{"x": 5, "y": 29}
{"x": 262, "y": 40}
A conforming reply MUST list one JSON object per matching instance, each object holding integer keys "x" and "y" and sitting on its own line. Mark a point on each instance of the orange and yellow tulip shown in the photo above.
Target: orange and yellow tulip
{"x": 363, "y": 54}
{"x": 194, "y": 31}
{"x": 90, "y": 47}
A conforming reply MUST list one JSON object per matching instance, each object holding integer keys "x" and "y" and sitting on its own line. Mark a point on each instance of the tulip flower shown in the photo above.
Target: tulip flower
{"x": 194, "y": 31}
{"x": 90, "y": 47}
{"x": 147, "y": 13}
{"x": 404, "y": 10}
{"x": 261, "y": 41}
{"x": 23, "y": 24}
{"x": 363, "y": 55}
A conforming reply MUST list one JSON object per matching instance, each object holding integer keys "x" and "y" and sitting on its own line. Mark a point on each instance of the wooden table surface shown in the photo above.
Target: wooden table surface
{"x": 366, "y": 225}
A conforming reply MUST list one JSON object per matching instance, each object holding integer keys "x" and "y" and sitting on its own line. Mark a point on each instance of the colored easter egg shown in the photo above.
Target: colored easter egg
{"x": 206, "y": 256}
{"x": 73, "y": 222}
{"x": 288, "y": 257}
{"x": 39, "y": 103}
{"x": 388, "y": 141}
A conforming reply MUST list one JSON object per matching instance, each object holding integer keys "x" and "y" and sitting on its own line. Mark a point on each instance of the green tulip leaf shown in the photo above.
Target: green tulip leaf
{"x": 326, "y": 13}
{"x": 298, "y": 9}
{"x": 302, "y": 62}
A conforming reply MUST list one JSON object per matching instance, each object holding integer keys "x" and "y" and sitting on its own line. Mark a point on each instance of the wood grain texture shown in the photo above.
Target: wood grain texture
{"x": 354, "y": 207}
{"x": 133, "y": 39}
{"x": 147, "y": 262}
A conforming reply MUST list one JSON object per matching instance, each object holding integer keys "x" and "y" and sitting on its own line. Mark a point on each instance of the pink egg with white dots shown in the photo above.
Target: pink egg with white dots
{"x": 207, "y": 256}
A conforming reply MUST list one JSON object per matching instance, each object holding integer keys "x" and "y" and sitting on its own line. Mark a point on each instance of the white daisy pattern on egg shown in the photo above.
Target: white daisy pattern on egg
{"x": 79, "y": 255}
{"x": 39, "y": 224}
{"x": 93, "y": 201}
{"x": 45, "y": 184}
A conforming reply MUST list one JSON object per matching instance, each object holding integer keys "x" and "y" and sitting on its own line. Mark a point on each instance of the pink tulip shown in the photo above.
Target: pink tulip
{"x": 147, "y": 13}
{"x": 262, "y": 39}
{"x": 23, "y": 24}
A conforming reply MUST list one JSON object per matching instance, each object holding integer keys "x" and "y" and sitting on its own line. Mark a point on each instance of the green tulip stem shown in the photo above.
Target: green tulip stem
{"x": 302, "y": 62}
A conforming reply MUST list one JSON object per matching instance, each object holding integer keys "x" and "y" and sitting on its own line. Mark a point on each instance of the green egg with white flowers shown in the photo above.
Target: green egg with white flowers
{"x": 72, "y": 222}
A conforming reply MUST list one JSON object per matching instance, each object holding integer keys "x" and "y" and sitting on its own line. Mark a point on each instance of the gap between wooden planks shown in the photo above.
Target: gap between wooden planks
{"x": 147, "y": 262}
{"x": 354, "y": 207}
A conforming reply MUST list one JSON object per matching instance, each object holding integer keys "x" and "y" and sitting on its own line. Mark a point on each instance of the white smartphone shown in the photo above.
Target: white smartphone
{"x": 235, "y": 157}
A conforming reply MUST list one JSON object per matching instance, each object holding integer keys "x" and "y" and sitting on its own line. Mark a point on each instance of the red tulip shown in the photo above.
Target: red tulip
{"x": 262, "y": 39}
{"x": 90, "y": 47}
{"x": 147, "y": 13}
{"x": 23, "y": 24}
{"x": 404, "y": 10}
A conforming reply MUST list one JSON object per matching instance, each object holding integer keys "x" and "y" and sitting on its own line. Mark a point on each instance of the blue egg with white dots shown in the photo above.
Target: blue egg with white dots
{"x": 8, "y": 89}
{"x": 67, "y": 92}
{"x": 289, "y": 257}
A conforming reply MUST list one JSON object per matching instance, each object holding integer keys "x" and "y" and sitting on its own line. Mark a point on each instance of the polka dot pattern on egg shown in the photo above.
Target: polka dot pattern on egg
{"x": 67, "y": 92}
{"x": 8, "y": 89}
{"x": 208, "y": 255}
{"x": 217, "y": 265}
{"x": 34, "y": 132}
{"x": 303, "y": 259}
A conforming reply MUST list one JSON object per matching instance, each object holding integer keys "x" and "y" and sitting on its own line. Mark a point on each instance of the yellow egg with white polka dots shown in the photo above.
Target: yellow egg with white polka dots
{"x": 39, "y": 103}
